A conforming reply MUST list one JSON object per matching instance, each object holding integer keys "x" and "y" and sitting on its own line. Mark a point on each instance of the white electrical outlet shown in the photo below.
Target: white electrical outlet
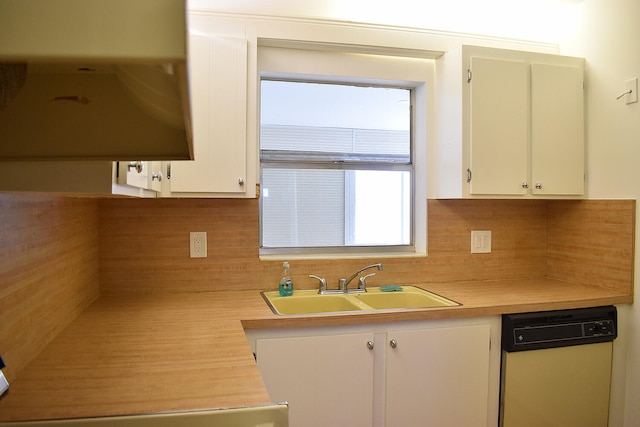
{"x": 198, "y": 244}
{"x": 481, "y": 242}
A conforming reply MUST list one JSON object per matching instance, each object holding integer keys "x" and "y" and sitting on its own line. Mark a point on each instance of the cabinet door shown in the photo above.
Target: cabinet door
{"x": 218, "y": 75}
{"x": 557, "y": 130}
{"x": 155, "y": 176}
{"x": 134, "y": 173}
{"x": 438, "y": 377}
{"x": 499, "y": 131}
{"x": 327, "y": 380}
{"x": 139, "y": 178}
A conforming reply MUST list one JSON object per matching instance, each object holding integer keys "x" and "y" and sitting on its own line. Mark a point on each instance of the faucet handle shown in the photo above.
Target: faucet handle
{"x": 362, "y": 281}
{"x": 322, "y": 285}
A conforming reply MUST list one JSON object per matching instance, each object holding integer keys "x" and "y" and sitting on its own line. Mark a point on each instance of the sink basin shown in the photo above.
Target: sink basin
{"x": 409, "y": 297}
{"x": 308, "y": 301}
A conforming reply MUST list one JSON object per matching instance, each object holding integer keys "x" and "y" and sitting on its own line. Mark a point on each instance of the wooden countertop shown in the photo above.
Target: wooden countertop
{"x": 132, "y": 354}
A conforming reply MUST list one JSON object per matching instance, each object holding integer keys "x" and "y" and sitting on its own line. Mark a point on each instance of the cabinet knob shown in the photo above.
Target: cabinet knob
{"x": 137, "y": 166}
{"x": 370, "y": 345}
{"x": 525, "y": 184}
{"x": 241, "y": 182}
{"x": 156, "y": 175}
{"x": 393, "y": 343}
{"x": 538, "y": 186}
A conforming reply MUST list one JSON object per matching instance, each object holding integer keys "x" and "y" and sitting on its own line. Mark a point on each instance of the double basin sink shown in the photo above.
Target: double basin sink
{"x": 308, "y": 301}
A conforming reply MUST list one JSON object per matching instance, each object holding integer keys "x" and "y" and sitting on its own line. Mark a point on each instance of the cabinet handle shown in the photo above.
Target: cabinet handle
{"x": 370, "y": 345}
{"x": 241, "y": 182}
{"x": 393, "y": 343}
{"x": 138, "y": 166}
{"x": 525, "y": 184}
{"x": 538, "y": 186}
{"x": 157, "y": 175}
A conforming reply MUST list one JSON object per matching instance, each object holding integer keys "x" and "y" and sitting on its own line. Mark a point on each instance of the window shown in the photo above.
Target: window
{"x": 337, "y": 166}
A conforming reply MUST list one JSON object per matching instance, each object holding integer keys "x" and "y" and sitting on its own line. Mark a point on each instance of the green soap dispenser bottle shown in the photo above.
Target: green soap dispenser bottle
{"x": 286, "y": 284}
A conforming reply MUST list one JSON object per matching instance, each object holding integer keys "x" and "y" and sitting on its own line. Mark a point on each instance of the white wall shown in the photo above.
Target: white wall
{"x": 605, "y": 32}
{"x": 608, "y": 36}
{"x": 540, "y": 20}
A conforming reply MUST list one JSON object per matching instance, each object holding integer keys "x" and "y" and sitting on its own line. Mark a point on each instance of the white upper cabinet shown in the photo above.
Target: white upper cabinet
{"x": 557, "y": 129}
{"x": 140, "y": 174}
{"x": 218, "y": 82}
{"x": 499, "y": 117}
{"x": 82, "y": 177}
{"x": 509, "y": 124}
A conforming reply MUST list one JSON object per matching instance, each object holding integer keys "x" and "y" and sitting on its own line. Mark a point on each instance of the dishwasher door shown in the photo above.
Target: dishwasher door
{"x": 565, "y": 386}
{"x": 556, "y": 368}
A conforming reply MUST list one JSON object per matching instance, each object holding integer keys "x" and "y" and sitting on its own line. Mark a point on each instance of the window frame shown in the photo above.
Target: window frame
{"x": 417, "y": 163}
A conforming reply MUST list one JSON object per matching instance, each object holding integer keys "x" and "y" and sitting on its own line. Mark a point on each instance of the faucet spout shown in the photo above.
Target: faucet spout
{"x": 344, "y": 283}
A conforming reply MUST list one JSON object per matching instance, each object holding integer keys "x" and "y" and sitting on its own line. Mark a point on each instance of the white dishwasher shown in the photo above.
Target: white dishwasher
{"x": 556, "y": 368}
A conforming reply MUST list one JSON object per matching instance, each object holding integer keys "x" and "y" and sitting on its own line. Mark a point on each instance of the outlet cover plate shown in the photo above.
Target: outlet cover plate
{"x": 198, "y": 244}
{"x": 481, "y": 242}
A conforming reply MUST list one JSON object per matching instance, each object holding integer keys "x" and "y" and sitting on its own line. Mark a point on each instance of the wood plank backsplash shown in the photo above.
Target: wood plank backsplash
{"x": 48, "y": 270}
{"x": 144, "y": 245}
{"x": 592, "y": 242}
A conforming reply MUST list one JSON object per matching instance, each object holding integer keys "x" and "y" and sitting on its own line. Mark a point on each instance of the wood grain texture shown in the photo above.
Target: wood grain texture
{"x": 49, "y": 271}
{"x": 144, "y": 245}
{"x": 148, "y": 240}
{"x": 141, "y": 354}
{"x": 50, "y": 248}
{"x": 129, "y": 354}
{"x": 476, "y": 298}
{"x": 592, "y": 242}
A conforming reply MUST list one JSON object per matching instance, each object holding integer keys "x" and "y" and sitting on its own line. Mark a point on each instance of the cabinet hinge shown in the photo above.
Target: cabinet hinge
{"x": 469, "y": 74}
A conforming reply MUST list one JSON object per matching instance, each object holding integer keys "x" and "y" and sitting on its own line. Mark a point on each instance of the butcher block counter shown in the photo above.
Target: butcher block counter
{"x": 148, "y": 353}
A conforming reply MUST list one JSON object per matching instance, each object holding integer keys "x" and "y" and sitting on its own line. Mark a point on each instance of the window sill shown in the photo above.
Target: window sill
{"x": 369, "y": 255}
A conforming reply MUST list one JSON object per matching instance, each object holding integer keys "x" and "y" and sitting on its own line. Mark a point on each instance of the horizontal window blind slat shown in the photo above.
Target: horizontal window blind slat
{"x": 334, "y": 140}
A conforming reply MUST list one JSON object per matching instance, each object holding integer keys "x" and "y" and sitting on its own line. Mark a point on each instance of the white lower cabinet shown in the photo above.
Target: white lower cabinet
{"x": 429, "y": 373}
{"x": 327, "y": 380}
{"x": 437, "y": 377}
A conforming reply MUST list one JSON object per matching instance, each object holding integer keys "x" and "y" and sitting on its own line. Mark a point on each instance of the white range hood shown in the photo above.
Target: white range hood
{"x": 104, "y": 80}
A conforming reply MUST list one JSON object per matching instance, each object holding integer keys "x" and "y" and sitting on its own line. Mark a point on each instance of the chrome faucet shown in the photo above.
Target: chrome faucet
{"x": 344, "y": 283}
{"x": 362, "y": 286}
{"x": 322, "y": 288}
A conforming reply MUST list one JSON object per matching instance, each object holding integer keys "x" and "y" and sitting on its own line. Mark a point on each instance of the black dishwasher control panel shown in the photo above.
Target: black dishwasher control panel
{"x": 559, "y": 328}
